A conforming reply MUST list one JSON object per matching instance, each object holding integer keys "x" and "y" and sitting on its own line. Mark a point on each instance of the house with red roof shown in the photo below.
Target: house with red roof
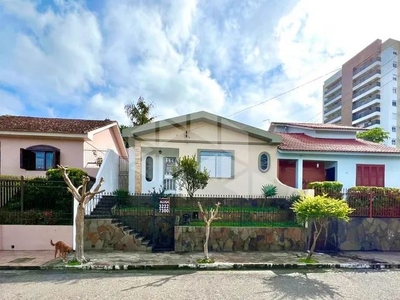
{"x": 30, "y": 145}
{"x": 318, "y": 152}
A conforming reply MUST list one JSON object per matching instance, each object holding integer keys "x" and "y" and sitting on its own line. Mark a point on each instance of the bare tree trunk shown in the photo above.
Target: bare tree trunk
{"x": 317, "y": 232}
{"x": 206, "y": 241}
{"x": 79, "y": 238}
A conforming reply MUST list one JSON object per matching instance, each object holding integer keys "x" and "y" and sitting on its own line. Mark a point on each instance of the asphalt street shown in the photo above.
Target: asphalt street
{"x": 176, "y": 285}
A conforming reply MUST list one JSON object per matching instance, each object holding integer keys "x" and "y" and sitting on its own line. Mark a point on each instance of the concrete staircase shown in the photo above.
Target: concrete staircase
{"x": 103, "y": 210}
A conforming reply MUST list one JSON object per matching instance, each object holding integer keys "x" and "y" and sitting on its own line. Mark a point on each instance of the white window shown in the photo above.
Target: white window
{"x": 394, "y": 142}
{"x": 394, "y": 77}
{"x": 219, "y": 164}
{"x": 394, "y": 103}
{"x": 394, "y": 90}
{"x": 393, "y": 128}
{"x": 394, "y": 64}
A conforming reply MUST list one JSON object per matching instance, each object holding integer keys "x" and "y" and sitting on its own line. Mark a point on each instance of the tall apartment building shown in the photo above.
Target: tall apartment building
{"x": 365, "y": 92}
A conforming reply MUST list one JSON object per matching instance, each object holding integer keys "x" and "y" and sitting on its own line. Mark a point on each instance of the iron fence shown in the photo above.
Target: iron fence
{"x": 36, "y": 201}
{"x": 136, "y": 210}
{"x": 371, "y": 202}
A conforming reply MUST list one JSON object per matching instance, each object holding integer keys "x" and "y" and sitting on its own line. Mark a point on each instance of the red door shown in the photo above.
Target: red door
{"x": 370, "y": 175}
{"x": 287, "y": 172}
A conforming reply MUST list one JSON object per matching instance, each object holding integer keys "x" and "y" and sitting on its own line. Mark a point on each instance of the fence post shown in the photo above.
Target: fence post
{"x": 370, "y": 204}
{"x": 241, "y": 211}
{"x": 22, "y": 193}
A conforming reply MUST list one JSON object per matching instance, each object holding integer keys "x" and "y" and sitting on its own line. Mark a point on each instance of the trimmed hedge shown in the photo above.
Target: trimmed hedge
{"x": 331, "y": 188}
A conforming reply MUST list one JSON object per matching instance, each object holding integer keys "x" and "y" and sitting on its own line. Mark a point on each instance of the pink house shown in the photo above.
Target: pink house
{"x": 29, "y": 145}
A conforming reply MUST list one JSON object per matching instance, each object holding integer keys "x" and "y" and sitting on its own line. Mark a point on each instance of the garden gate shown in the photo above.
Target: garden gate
{"x": 163, "y": 226}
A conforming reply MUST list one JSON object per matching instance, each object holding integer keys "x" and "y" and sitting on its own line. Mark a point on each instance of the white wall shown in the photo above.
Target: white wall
{"x": 387, "y": 95}
{"x": 33, "y": 237}
{"x": 346, "y": 165}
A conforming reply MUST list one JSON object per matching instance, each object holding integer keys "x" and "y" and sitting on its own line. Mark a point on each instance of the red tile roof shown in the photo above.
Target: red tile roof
{"x": 318, "y": 126}
{"x": 50, "y": 125}
{"x": 303, "y": 142}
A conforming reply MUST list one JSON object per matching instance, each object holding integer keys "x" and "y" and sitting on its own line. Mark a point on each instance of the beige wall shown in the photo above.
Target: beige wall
{"x": 71, "y": 154}
{"x": 247, "y": 177}
{"x": 33, "y": 237}
{"x": 369, "y": 52}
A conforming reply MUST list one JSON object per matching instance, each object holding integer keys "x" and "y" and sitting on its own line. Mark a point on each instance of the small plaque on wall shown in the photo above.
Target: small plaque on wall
{"x": 164, "y": 206}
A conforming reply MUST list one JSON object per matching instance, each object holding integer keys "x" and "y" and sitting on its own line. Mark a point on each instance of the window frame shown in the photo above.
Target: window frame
{"x": 259, "y": 161}
{"x": 29, "y": 159}
{"x": 232, "y": 157}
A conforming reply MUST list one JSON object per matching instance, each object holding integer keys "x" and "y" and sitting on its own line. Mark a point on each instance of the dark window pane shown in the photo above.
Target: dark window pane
{"x": 149, "y": 168}
{"x": 49, "y": 160}
{"x": 40, "y": 163}
{"x": 263, "y": 162}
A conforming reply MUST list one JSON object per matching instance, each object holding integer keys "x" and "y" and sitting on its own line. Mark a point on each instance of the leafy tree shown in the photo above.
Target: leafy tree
{"x": 83, "y": 197}
{"x": 376, "y": 135}
{"x": 316, "y": 210}
{"x": 139, "y": 113}
{"x": 188, "y": 175}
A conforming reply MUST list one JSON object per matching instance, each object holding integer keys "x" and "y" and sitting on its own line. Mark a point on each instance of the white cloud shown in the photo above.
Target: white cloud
{"x": 52, "y": 55}
{"x": 10, "y": 104}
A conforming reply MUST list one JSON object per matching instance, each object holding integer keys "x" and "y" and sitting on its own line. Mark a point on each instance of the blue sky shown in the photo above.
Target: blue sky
{"x": 86, "y": 59}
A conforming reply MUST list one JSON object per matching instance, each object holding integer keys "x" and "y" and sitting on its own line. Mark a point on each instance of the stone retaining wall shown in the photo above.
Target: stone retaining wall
{"x": 190, "y": 238}
{"x": 101, "y": 234}
{"x": 369, "y": 234}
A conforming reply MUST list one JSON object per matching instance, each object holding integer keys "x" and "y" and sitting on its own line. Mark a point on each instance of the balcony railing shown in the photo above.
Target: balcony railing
{"x": 366, "y": 77}
{"x": 334, "y": 86}
{"x": 357, "y": 116}
{"x": 371, "y": 123}
{"x": 365, "y": 65}
{"x": 364, "y": 89}
{"x": 364, "y": 101}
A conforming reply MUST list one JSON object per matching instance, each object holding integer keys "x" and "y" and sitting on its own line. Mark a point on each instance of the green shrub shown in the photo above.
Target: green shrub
{"x": 331, "y": 188}
{"x": 122, "y": 197}
{"x": 74, "y": 174}
{"x": 318, "y": 210}
{"x": 269, "y": 190}
{"x": 360, "y": 196}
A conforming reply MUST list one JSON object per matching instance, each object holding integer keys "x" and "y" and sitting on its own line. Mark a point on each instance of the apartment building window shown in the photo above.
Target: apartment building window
{"x": 394, "y": 77}
{"x": 394, "y": 90}
{"x": 394, "y": 64}
{"x": 394, "y": 103}
{"x": 394, "y": 52}
{"x": 393, "y": 128}
{"x": 393, "y": 142}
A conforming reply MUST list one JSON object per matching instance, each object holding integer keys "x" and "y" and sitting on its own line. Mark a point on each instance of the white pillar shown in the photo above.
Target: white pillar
{"x": 299, "y": 174}
{"x": 131, "y": 173}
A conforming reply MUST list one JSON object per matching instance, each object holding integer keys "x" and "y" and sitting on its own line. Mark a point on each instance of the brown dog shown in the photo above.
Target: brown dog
{"x": 62, "y": 248}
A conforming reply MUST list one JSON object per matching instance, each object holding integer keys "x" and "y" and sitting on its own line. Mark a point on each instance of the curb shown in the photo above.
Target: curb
{"x": 225, "y": 266}
{"x": 213, "y": 267}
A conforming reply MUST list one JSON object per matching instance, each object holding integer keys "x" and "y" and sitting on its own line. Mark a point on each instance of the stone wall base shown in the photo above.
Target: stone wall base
{"x": 190, "y": 238}
{"x": 101, "y": 234}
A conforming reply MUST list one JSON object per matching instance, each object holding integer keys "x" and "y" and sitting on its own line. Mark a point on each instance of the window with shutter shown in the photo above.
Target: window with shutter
{"x": 39, "y": 157}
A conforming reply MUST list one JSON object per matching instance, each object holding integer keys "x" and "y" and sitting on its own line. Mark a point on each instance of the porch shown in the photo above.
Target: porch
{"x": 297, "y": 173}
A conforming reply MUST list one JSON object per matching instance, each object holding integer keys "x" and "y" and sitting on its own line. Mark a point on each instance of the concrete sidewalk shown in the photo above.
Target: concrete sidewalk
{"x": 117, "y": 260}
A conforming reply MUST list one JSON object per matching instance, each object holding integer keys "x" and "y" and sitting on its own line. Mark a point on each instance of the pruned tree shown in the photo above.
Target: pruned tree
{"x": 208, "y": 216}
{"x": 83, "y": 197}
{"x": 139, "y": 113}
{"x": 188, "y": 175}
{"x": 317, "y": 210}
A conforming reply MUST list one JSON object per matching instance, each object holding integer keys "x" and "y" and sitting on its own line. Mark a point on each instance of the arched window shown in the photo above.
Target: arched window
{"x": 39, "y": 157}
{"x": 149, "y": 168}
{"x": 263, "y": 162}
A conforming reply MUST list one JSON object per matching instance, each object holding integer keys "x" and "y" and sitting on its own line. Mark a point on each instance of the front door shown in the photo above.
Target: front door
{"x": 168, "y": 181}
